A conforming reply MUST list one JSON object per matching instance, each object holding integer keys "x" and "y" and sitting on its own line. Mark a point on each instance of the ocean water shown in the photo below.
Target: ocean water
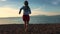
{"x": 33, "y": 20}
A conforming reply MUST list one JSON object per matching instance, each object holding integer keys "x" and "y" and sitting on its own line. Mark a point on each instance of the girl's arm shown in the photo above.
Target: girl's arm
{"x": 20, "y": 10}
{"x": 29, "y": 11}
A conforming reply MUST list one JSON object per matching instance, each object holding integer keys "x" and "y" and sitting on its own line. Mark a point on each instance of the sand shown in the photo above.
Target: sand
{"x": 33, "y": 29}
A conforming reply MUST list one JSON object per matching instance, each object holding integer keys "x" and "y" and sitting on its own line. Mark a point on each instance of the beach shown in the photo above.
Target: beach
{"x": 33, "y": 29}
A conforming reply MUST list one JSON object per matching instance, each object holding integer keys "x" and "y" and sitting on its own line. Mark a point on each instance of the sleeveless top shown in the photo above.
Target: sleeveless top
{"x": 25, "y": 11}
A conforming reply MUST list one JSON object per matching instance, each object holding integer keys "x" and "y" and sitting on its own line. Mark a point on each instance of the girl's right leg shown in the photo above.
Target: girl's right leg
{"x": 25, "y": 25}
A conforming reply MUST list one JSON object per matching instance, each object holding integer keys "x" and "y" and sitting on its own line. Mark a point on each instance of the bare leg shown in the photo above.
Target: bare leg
{"x": 25, "y": 25}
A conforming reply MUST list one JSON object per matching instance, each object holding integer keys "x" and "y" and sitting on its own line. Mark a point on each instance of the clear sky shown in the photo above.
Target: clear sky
{"x": 10, "y": 8}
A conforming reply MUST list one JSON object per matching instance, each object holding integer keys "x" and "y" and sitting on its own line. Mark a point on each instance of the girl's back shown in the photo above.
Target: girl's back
{"x": 26, "y": 10}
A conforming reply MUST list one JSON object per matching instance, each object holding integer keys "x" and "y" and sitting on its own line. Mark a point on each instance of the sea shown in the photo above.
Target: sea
{"x": 39, "y": 19}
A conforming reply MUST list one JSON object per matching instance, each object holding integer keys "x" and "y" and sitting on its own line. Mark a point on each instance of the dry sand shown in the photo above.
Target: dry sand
{"x": 33, "y": 29}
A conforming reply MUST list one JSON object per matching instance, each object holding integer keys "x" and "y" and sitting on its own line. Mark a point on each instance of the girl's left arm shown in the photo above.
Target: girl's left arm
{"x": 29, "y": 11}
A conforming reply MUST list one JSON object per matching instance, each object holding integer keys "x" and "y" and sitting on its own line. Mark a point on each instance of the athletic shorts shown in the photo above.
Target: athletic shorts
{"x": 26, "y": 18}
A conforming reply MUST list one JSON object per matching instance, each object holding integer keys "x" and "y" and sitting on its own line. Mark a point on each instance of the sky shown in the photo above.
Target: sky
{"x": 10, "y": 8}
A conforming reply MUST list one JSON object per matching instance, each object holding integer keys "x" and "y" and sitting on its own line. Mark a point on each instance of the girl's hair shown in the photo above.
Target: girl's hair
{"x": 26, "y": 5}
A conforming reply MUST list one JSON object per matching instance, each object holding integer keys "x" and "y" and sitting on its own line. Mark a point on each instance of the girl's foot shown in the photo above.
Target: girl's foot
{"x": 26, "y": 28}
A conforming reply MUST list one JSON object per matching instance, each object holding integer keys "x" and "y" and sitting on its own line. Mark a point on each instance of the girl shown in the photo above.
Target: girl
{"x": 26, "y": 12}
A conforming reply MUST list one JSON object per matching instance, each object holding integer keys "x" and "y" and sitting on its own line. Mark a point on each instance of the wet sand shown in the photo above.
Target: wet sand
{"x": 33, "y": 29}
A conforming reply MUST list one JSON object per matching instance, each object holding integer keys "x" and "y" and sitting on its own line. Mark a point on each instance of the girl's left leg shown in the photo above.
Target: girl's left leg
{"x": 27, "y": 22}
{"x": 27, "y": 25}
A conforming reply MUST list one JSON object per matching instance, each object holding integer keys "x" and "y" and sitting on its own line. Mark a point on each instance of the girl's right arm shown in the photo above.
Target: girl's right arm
{"x": 20, "y": 10}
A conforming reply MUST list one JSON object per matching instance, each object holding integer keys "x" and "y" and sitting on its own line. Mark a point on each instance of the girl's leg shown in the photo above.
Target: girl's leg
{"x": 27, "y": 22}
{"x": 28, "y": 18}
{"x": 25, "y": 25}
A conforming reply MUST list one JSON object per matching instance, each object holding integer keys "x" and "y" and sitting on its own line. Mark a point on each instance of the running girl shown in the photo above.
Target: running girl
{"x": 26, "y": 12}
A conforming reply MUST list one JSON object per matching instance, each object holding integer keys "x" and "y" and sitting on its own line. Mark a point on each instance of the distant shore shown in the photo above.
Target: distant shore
{"x": 33, "y": 29}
